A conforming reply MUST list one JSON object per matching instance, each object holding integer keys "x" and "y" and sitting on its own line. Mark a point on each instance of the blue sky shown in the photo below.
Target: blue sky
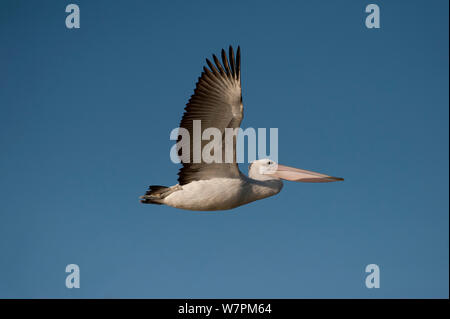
{"x": 85, "y": 118}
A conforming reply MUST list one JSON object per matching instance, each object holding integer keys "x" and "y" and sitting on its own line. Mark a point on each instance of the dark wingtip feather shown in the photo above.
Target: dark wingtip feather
{"x": 211, "y": 66}
{"x": 225, "y": 63}
{"x": 218, "y": 64}
{"x": 238, "y": 62}
{"x": 232, "y": 63}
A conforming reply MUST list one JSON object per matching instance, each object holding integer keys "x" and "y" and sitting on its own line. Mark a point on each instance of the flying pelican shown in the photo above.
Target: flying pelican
{"x": 217, "y": 102}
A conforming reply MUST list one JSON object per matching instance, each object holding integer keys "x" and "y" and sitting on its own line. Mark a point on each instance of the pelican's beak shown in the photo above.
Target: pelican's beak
{"x": 301, "y": 175}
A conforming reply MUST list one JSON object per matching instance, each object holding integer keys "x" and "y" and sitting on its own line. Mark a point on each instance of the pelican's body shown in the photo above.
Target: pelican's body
{"x": 219, "y": 185}
{"x": 221, "y": 193}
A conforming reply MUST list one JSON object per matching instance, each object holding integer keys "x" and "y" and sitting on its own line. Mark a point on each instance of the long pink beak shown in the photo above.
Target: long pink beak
{"x": 301, "y": 175}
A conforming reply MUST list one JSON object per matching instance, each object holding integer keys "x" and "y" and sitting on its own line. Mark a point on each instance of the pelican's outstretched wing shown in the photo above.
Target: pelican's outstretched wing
{"x": 217, "y": 102}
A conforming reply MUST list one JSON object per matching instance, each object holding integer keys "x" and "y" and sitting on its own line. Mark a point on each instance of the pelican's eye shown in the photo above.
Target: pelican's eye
{"x": 270, "y": 162}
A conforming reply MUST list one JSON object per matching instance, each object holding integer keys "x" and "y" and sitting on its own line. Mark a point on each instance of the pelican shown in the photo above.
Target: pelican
{"x": 217, "y": 102}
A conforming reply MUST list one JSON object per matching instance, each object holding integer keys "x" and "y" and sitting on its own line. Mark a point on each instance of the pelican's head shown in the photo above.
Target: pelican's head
{"x": 266, "y": 169}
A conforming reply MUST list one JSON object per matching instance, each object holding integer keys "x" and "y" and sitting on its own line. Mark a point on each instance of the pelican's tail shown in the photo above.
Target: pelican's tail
{"x": 157, "y": 193}
{"x": 154, "y": 195}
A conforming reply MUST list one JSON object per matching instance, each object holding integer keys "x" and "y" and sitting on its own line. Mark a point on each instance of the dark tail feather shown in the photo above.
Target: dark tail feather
{"x": 154, "y": 195}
